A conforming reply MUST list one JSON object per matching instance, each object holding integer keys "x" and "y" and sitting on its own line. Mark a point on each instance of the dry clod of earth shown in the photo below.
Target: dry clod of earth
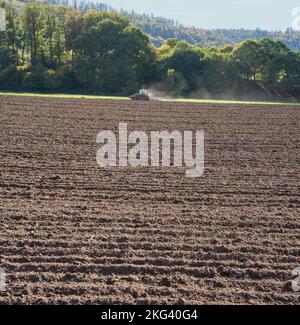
{"x": 72, "y": 232}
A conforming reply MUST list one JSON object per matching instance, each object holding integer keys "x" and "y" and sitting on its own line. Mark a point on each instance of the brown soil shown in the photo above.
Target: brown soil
{"x": 72, "y": 232}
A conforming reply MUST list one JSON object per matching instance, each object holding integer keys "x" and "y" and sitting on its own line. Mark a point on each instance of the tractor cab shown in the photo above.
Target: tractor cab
{"x": 141, "y": 95}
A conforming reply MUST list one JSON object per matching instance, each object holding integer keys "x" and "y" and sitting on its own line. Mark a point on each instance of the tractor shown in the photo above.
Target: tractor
{"x": 141, "y": 95}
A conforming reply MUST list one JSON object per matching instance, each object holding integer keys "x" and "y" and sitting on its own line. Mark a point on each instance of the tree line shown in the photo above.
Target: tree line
{"x": 48, "y": 47}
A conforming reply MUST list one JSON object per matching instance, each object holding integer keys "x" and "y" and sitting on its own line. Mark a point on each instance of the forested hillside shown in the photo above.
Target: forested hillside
{"x": 49, "y": 47}
{"x": 160, "y": 28}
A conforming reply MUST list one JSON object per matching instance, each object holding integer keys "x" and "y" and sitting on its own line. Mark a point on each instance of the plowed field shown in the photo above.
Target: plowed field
{"x": 72, "y": 232}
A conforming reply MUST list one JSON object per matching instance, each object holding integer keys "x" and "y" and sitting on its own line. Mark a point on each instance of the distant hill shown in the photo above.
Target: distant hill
{"x": 160, "y": 28}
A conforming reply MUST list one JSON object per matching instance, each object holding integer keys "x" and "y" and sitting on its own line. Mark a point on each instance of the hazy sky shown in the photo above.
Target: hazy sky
{"x": 265, "y": 14}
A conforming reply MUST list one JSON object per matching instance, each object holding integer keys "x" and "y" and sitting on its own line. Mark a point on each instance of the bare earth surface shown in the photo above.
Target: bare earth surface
{"x": 72, "y": 232}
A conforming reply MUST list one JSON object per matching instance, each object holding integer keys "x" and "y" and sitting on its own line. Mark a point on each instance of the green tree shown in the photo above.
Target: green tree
{"x": 7, "y": 57}
{"x": 247, "y": 59}
{"x": 186, "y": 59}
{"x": 33, "y": 21}
{"x": 291, "y": 78}
{"x": 274, "y": 56}
{"x": 218, "y": 74}
{"x": 116, "y": 55}
{"x": 173, "y": 83}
